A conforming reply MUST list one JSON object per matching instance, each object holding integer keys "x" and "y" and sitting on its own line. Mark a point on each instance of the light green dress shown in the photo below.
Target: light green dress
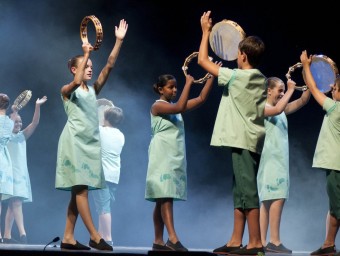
{"x": 167, "y": 167}
{"x": 6, "y": 174}
{"x": 273, "y": 174}
{"x": 79, "y": 152}
{"x": 21, "y": 178}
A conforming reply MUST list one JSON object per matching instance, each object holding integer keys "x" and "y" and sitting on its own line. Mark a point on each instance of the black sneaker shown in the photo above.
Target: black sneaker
{"x": 176, "y": 247}
{"x": 277, "y": 248}
{"x": 325, "y": 251}
{"x": 159, "y": 247}
{"x": 77, "y": 246}
{"x": 252, "y": 251}
{"x": 225, "y": 249}
{"x": 102, "y": 245}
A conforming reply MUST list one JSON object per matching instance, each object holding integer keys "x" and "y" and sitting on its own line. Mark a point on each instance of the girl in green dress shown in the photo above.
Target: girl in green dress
{"x": 166, "y": 179}
{"x": 79, "y": 166}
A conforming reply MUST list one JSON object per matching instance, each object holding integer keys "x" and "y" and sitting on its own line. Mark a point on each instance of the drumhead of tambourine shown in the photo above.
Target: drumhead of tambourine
{"x": 224, "y": 39}
{"x": 324, "y": 72}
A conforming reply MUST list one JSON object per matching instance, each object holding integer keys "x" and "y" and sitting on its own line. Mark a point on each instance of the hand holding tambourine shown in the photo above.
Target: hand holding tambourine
{"x": 323, "y": 69}
{"x": 98, "y": 27}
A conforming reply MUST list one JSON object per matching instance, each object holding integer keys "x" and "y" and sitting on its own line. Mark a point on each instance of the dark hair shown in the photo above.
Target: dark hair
{"x": 162, "y": 81}
{"x": 114, "y": 115}
{"x": 254, "y": 48}
{"x": 272, "y": 81}
{"x": 73, "y": 62}
{"x": 4, "y": 101}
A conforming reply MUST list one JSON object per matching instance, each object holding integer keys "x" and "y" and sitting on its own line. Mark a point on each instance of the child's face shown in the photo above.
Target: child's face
{"x": 169, "y": 91}
{"x": 88, "y": 71}
{"x": 276, "y": 93}
{"x": 335, "y": 92}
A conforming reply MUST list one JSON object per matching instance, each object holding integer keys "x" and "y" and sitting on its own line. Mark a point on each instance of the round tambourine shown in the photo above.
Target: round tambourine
{"x": 98, "y": 27}
{"x": 289, "y": 75}
{"x": 224, "y": 39}
{"x": 22, "y": 99}
{"x": 103, "y": 104}
{"x": 186, "y": 64}
{"x": 323, "y": 69}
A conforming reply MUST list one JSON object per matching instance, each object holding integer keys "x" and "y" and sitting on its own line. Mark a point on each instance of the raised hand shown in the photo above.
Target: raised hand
{"x": 41, "y": 101}
{"x": 120, "y": 31}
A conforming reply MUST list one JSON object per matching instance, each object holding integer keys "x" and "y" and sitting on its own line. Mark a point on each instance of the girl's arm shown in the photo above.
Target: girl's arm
{"x": 298, "y": 103}
{"x": 160, "y": 107}
{"x": 28, "y": 131}
{"x": 78, "y": 72}
{"x": 120, "y": 33}
{"x": 203, "y": 96}
{"x": 282, "y": 103}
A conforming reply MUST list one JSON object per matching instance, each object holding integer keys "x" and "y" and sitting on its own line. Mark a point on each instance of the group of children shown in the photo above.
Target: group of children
{"x": 251, "y": 119}
{"x": 251, "y": 122}
{"x": 15, "y": 185}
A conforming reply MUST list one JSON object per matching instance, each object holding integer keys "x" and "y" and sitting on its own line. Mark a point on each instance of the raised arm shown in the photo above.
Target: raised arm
{"x": 78, "y": 72}
{"x": 28, "y": 131}
{"x": 14, "y": 113}
{"x": 203, "y": 56}
{"x": 203, "y": 96}
{"x": 160, "y": 107}
{"x": 120, "y": 33}
{"x": 282, "y": 103}
{"x": 295, "y": 105}
{"x": 310, "y": 82}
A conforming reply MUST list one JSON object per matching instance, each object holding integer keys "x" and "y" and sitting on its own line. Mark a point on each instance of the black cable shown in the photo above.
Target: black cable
{"x": 56, "y": 239}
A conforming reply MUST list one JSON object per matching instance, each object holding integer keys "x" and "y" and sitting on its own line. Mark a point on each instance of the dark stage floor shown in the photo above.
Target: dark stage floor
{"x": 53, "y": 250}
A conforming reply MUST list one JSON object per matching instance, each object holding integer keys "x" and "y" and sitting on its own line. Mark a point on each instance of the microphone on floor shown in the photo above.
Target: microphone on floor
{"x": 56, "y": 239}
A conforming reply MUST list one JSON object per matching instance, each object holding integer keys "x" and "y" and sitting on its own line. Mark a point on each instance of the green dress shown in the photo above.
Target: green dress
{"x": 79, "y": 152}
{"x": 273, "y": 173}
{"x": 167, "y": 167}
{"x": 6, "y": 173}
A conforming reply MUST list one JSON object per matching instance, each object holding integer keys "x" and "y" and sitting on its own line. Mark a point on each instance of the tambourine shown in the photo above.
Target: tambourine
{"x": 98, "y": 27}
{"x": 102, "y": 105}
{"x": 22, "y": 99}
{"x": 185, "y": 68}
{"x": 224, "y": 39}
{"x": 323, "y": 69}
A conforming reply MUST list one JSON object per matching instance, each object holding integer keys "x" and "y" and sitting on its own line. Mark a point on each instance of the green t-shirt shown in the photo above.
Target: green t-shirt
{"x": 240, "y": 117}
{"x": 327, "y": 150}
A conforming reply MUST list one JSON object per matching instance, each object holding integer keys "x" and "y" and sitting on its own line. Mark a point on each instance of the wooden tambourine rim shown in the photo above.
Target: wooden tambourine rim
{"x": 320, "y": 56}
{"x": 235, "y": 25}
{"x": 22, "y": 99}
{"x": 185, "y": 68}
{"x": 98, "y": 27}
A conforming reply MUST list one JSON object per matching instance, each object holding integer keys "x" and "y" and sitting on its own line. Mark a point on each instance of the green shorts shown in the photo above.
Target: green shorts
{"x": 245, "y": 167}
{"x": 333, "y": 191}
